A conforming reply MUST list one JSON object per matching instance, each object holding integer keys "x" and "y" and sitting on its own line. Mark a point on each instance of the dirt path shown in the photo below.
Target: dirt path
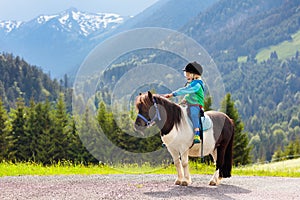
{"x": 144, "y": 187}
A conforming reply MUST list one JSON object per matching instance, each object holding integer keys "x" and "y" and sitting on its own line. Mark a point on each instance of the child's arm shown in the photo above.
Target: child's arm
{"x": 189, "y": 89}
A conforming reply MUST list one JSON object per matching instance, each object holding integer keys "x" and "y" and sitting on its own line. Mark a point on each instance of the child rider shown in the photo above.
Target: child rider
{"x": 194, "y": 95}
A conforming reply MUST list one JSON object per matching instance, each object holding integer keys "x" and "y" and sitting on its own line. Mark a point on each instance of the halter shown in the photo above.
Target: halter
{"x": 156, "y": 116}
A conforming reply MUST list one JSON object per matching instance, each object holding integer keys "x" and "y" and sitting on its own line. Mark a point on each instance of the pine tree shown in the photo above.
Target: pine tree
{"x": 76, "y": 151}
{"x": 20, "y": 139}
{"x": 60, "y": 143}
{"x": 273, "y": 55}
{"x": 31, "y": 131}
{"x": 293, "y": 149}
{"x": 91, "y": 137}
{"x": 105, "y": 119}
{"x": 3, "y": 94}
{"x": 208, "y": 103}
{"x": 5, "y": 141}
{"x": 44, "y": 129}
{"x": 241, "y": 149}
{"x": 110, "y": 131}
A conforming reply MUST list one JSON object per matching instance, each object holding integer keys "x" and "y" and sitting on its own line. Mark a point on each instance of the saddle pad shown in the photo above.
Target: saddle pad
{"x": 206, "y": 122}
{"x": 195, "y": 151}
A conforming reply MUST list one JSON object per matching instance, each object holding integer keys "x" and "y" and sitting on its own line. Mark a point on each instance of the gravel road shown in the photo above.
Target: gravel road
{"x": 144, "y": 187}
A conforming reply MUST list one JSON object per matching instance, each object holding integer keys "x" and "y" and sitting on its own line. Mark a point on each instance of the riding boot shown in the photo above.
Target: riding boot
{"x": 197, "y": 137}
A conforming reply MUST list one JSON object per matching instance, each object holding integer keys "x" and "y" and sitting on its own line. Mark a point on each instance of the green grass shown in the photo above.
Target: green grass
{"x": 242, "y": 59}
{"x": 284, "y": 49}
{"x": 288, "y": 168}
{"x": 11, "y": 169}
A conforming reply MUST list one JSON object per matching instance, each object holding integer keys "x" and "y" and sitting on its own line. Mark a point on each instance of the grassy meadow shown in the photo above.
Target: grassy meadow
{"x": 288, "y": 168}
{"x": 284, "y": 49}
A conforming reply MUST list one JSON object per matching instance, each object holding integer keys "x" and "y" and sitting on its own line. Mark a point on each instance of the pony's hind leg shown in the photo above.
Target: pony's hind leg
{"x": 215, "y": 179}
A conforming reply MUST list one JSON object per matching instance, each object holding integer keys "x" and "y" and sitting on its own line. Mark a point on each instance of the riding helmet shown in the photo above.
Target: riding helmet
{"x": 194, "y": 68}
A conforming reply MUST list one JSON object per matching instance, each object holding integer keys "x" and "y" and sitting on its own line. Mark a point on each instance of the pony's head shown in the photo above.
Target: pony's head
{"x": 144, "y": 105}
{"x": 155, "y": 109}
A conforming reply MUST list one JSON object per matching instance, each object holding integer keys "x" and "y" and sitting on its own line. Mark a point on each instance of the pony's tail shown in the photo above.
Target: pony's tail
{"x": 228, "y": 158}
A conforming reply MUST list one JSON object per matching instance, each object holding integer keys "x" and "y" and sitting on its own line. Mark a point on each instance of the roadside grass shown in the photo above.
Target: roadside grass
{"x": 288, "y": 168}
{"x": 64, "y": 168}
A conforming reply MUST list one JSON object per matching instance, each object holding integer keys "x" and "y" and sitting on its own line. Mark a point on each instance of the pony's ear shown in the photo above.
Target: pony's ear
{"x": 150, "y": 95}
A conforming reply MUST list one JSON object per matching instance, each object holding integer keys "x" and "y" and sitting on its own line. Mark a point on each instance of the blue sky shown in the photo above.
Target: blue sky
{"x": 24, "y": 10}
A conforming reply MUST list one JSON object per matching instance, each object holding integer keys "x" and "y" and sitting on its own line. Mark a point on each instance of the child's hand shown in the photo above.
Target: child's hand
{"x": 183, "y": 102}
{"x": 168, "y": 95}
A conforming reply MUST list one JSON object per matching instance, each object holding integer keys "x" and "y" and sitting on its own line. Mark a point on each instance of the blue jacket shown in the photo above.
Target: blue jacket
{"x": 194, "y": 92}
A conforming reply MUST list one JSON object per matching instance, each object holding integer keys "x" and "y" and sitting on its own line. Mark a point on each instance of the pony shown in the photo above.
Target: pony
{"x": 177, "y": 134}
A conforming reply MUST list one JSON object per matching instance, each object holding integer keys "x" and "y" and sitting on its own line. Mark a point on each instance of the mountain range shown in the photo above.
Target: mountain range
{"x": 227, "y": 29}
{"x": 58, "y": 43}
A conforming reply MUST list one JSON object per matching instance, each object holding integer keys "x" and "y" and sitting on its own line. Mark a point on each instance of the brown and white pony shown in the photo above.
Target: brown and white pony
{"x": 177, "y": 134}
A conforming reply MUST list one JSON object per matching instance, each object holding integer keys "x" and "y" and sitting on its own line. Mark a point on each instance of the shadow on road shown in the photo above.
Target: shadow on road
{"x": 211, "y": 192}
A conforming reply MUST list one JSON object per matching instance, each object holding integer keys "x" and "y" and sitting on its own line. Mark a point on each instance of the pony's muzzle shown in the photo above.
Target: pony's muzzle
{"x": 139, "y": 126}
{"x": 140, "y": 123}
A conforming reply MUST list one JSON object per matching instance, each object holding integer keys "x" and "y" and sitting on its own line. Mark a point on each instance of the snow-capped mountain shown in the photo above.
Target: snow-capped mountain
{"x": 82, "y": 23}
{"x": 8, "y": 26}
{"x": 59, "y": 41}
{"x": 70, "y": 20}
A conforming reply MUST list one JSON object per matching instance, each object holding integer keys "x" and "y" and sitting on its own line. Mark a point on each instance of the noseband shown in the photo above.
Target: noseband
{"x": 156, "y": 116}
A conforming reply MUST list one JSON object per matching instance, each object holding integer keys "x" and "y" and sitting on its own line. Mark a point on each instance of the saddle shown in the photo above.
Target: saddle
{"x": 206, "y": 122}
{"x": 196, "y": 150}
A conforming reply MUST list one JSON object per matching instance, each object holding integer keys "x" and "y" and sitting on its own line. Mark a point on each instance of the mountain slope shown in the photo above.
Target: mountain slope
{"x": 8, "y": 26}
{"x": 244, "y": 27}
{"x": 19, "y": 79}
{"x": 283, "y": 50}
{"x": 58, "y": 42}
{"x": 171, "y": 14}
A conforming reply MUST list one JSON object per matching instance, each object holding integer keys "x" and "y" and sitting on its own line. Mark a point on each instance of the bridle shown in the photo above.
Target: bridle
{"x": 156, "y": 116}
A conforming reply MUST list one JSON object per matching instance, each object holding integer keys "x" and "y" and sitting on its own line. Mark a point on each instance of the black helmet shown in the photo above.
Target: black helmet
{"x": 194, "y": 68}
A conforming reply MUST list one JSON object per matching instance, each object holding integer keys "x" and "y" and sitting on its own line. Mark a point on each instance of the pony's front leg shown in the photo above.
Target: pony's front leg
{"x": 177, "y": 163}
{"x": 185, "y": 164}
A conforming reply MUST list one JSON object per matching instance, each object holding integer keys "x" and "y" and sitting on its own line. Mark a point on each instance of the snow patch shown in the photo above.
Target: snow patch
{"x": 10, "y": 25}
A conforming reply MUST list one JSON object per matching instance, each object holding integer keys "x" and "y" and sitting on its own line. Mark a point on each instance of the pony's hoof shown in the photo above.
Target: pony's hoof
{"x": 177, "y": 182}
{"x": 212, "y": 183}
{"x": 184, "y": 183}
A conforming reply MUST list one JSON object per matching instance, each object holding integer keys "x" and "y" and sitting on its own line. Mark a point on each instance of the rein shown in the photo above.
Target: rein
{"x": 156, "y": 116}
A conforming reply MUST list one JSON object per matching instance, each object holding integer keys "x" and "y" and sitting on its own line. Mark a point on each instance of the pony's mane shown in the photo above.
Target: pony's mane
{"x": 167, "y": 103}
{"x": 173, "y": 110}
{"x": 143, "y": 99}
